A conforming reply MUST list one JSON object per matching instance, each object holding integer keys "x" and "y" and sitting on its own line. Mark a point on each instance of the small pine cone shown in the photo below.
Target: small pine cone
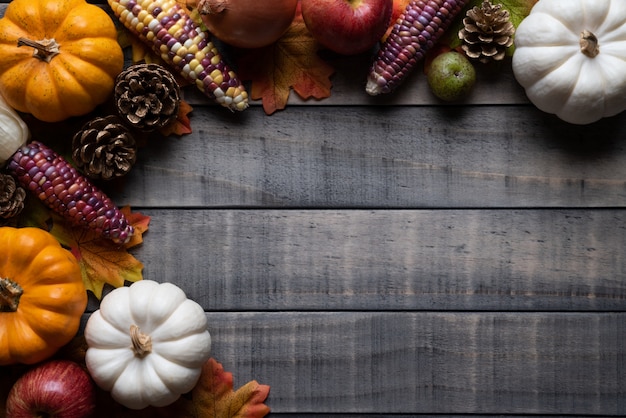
{"x": 11, "y": 197}
{"x": 147, "y": 96}
{"x": 58, "y": 184}
{"x": 104, "y": 148}
{"x": 487, "y": 32}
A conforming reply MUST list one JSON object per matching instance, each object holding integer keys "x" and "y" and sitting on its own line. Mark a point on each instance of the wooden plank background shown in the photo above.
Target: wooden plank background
{"x": 396, "y": 256}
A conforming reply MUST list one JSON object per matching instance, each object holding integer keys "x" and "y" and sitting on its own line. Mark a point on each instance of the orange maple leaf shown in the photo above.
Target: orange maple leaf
{"x": 101, "y": 261}
{"x": 291, "y": 62}
{"x": 214, "y": 397}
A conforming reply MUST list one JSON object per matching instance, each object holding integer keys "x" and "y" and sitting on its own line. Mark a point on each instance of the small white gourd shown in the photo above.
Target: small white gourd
{"x": 570, "y": 57}
{"x": 147, "y": 344}
{"x": 13, "y": 131}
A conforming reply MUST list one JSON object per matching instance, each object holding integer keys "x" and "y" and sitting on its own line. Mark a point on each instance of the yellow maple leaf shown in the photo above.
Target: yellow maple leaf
{"x": 101, "y": 261}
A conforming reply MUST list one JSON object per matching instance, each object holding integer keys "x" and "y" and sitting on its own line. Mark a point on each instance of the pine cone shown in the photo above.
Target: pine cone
{"x": 104, "y": 148}
{"x": 11, "y": 197}
{"x": 487, "y": 32}
{"x": 147, "y": 96}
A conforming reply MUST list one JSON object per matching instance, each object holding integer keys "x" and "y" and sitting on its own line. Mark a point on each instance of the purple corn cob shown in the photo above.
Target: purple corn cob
{"x": 169, "y": 30}
{"x": 55, "y": 182}
{"x": 416, "y": 30}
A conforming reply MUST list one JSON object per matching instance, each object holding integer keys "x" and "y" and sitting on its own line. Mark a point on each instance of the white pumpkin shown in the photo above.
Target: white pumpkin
{"x": 147, "y": 344}
{"x": 13, "y": 131}
{"x": 570, "y": 57}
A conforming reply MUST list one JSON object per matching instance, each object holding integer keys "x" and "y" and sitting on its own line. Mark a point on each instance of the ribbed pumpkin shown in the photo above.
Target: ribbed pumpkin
{"x": 147, "y": 344}
{"x": 42, "y": 295}
{"x": 570, "y": 57}
{"x": 13, "y": 131}
{"x": 58, "y": 58}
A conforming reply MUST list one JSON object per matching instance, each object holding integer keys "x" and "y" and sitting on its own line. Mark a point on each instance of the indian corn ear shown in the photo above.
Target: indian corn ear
{"x": 418, "y": 28}
{"x": 56, "y": 183}
{"x": 172, "y": 34}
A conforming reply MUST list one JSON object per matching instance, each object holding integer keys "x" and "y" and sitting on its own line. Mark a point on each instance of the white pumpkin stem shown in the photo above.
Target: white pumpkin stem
{"x": 211, "y": 7}
{"x": 589, "y": 44}
{"x": 142, "y": 343}
{"x": 45, "y": 50}
{"x": 10, "y": 293}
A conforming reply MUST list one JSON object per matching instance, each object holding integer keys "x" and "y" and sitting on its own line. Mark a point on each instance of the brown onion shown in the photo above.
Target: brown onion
{"x": 247, "y": 23}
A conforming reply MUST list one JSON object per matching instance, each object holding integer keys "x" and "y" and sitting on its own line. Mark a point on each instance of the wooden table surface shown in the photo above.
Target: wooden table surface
{"x": 394, "y": 256}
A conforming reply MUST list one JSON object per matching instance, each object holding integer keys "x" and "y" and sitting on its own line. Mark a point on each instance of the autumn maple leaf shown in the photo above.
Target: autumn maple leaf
{"x": 289, "y": 63}
{"x": 101, "y": 261}
{"x": 214, "y": 396}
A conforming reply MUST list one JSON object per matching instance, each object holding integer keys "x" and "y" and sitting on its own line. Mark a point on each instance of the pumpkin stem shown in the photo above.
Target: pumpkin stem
{"x": 10, "y": 293}
{"x": 142, "y": 343}
{"x": 45, "y": 50}
{"x": 589, "y": 44}
{"x": 209, "y": 7}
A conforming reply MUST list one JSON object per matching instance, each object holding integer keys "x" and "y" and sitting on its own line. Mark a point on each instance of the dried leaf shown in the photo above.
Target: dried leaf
{"x": 101, "y": 261}
{"x": 182, "y": 125}
{"x": 291, "y": 62}
{"x": 214, "y": 397}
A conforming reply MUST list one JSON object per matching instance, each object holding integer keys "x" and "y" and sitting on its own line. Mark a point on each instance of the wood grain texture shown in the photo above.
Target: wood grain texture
{"x": 391, "y": 157}
{"x": 431, "y": 363}
{"x": 232, "y": 260}
{"x": 361, "y": 415}
{"x": 396, "y": 256}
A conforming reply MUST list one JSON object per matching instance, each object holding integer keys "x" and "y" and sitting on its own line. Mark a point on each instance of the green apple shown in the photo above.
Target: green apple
{"x": 451, "y": 76}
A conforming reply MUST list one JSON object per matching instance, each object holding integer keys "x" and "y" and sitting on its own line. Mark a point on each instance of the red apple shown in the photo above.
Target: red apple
{"x": 347, "y": 27}
{"x": 55, "y": 389}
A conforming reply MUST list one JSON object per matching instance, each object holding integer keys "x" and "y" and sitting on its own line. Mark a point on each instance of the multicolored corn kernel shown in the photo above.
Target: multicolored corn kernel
{"x": 47, "y": 175}
{"x": 172, "y": 34}
{"x": 415, "y": 32}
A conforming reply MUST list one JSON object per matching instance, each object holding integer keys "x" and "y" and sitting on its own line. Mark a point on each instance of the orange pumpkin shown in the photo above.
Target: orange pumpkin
{"x": 58, "y": 58}
{"x": 42, "y": 295}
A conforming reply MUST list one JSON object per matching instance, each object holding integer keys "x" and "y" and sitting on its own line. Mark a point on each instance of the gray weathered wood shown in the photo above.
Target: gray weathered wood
{"x": 396, "y": 256}
{"x": 412, "y": 362}
{"x": 334, "y": 415}
{"x": 361, "y": 415}
{"x": 391, "y": 259}
{"x": 480, "y": 156}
